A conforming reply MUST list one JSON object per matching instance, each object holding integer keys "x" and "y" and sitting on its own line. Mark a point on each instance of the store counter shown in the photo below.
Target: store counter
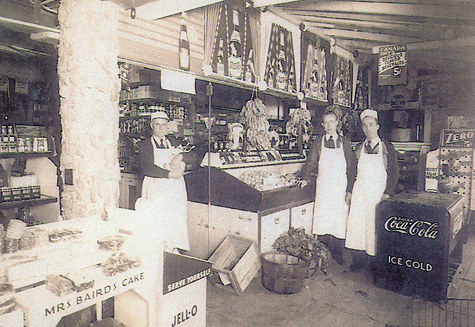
{"x": 256, "y": 198}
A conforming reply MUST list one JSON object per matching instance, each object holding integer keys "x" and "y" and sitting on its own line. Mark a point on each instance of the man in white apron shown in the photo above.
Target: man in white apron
{"x": 377, "y": 174}
{"x": 163, "y": 165}
{"x": 332, "y": 161}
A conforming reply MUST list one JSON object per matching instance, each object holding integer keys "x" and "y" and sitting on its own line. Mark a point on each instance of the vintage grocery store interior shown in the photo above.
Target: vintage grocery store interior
{"x": 245, "y": 85}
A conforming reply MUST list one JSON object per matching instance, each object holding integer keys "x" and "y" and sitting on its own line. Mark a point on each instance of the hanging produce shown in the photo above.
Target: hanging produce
{"x": 253, "y": 116}
{"x": 300, "y": 124}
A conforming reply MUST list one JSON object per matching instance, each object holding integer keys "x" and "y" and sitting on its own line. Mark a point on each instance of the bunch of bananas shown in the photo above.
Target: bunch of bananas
{"x": 253, "y": 116}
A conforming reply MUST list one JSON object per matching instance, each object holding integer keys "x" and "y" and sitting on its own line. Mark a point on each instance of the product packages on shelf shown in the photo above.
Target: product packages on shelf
{"x": 71, "y": 265}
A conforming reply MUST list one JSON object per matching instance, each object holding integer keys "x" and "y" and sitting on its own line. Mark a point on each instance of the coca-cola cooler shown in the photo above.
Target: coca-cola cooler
{"x": 419, "y": 243}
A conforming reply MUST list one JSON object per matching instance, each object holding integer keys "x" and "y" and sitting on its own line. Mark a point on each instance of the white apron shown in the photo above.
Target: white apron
{"x": 169, "y": 197}
{"x": 367, "y": 192}
{"x": 331, "y": 211}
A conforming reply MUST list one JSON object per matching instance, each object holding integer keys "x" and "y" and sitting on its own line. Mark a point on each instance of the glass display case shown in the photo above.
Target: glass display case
{"x": 257, "y": 198}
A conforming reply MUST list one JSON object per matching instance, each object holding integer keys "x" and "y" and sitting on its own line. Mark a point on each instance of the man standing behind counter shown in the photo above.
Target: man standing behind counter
{"x": 377, "y": 174}
{"x": 331, "y": 161}
{"x": 163, "y": 165}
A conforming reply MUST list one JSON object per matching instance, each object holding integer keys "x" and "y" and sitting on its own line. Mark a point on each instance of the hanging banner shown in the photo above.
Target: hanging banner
{"x": 280, "y": 65}
{"x": 392, "y": 65}
{"x": 314, "y": 66}
{"x": 342, "y": 81}
{"x": 232, "y": 38}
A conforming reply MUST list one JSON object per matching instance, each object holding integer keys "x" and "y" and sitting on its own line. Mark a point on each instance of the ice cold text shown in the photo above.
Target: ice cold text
{"x": 409, "y": 263}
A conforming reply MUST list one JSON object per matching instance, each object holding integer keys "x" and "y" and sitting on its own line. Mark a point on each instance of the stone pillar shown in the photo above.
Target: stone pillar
{"x": 89, "y": 91}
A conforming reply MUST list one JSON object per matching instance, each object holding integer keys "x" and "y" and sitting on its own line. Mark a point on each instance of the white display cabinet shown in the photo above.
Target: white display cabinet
{"x": 256, "y": 198}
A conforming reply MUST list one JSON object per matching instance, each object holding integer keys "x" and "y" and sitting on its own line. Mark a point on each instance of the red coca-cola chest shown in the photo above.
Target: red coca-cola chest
{"x": 419, "y": 243}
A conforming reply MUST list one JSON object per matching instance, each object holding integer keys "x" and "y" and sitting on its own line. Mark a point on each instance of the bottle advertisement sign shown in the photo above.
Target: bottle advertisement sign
{"x": 392, "y": 65}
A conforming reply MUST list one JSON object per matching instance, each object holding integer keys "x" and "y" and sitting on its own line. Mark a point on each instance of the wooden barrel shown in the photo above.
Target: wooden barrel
{"x": 282, "y": 273}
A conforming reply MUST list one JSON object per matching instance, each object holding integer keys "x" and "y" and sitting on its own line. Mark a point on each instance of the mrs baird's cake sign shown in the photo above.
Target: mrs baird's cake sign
{"x": 419, "y": 228}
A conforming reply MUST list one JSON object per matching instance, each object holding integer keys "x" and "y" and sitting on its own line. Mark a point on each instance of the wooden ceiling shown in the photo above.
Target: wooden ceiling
{"x": 439, "y": 34}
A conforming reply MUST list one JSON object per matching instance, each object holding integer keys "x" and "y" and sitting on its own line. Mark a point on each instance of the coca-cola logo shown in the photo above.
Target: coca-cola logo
{"x": 412, "y": 227}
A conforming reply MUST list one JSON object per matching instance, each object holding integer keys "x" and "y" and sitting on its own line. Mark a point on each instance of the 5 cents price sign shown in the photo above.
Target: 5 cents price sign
{"x": 392, "y": 65}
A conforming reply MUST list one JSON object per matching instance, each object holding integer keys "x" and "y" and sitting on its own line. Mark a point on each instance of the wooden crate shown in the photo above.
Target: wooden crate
{"x": 234, "y": 264}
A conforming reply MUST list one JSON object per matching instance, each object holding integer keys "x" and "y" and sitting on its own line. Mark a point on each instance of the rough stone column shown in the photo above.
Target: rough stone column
{"x": 89, "y": 91}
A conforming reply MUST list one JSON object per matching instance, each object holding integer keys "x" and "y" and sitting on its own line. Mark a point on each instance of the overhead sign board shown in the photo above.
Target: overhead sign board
{"x": 392, "y": 65}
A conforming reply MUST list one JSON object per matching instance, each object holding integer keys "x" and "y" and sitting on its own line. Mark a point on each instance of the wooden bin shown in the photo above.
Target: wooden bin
{"x": 234, "y": 264}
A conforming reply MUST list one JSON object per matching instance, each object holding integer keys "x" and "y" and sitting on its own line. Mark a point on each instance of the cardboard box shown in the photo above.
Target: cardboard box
{"x": 235, "y": 263}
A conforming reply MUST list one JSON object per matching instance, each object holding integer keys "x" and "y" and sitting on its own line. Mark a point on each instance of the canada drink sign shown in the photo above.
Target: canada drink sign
{"x": 392, "y": 65}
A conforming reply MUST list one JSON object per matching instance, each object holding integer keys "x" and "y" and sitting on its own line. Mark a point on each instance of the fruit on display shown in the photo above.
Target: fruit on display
{"x": 300, "y": 123}
{"x": 264, "y": 180}
{"x": 253, "y": 116}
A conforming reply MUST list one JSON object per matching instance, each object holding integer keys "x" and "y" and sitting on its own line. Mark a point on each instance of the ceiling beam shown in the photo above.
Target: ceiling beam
{"x": 163, "y": 8}
{"x": 360, "y": 45}
{"x": 461, "y": 11}
{"x": 25, "y": 27}
{"x": 405, "y": 28}
{"x": 337, "y": 33}
{"x": 263, "y": 3}
{"x": 381, "y": 18}
{"x": 445, "y": 44}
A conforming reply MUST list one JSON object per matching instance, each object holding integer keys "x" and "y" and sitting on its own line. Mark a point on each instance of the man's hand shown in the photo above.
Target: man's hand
{"x": 176, "y": 174}
{"x": 302, "y": 183}
{"x": 176, "y": 161}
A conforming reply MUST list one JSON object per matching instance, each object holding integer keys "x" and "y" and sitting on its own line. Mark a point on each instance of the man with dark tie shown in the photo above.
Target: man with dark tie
{"x": 331, "y": 162}
{"x": 162, "y": 162}
{"x": 376, "y": 178}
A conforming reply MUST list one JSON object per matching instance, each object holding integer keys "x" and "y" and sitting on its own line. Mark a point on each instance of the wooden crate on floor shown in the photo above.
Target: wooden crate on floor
{"x": 234, "y": 264}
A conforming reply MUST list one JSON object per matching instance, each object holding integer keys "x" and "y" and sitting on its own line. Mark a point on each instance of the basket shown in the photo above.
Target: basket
{"x": 283, "y": 273}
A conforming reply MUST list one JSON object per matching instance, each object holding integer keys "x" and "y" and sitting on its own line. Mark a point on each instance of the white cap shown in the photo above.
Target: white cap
{"x": 159, "y": 114}
{"x": 369, "y": 113}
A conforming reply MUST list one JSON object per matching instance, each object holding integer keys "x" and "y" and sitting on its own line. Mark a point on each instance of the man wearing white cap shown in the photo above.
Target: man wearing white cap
{"x": 377, "y": 174}
{"x": 163, "y": 165}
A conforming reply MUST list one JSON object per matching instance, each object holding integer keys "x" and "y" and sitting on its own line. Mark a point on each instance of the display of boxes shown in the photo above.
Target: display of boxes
{"x": 17, "y": 194}
{"x": 8, "y": 194}
{"x": 234, "y": 264}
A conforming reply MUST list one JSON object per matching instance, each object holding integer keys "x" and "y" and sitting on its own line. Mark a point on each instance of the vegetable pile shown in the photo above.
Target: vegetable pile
{"x": 299, "y": 123}
{"x": 297, "y": 243}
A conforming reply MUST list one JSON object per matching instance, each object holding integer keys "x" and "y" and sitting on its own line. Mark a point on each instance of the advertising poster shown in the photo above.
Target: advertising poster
{"x": 392, "y": 65}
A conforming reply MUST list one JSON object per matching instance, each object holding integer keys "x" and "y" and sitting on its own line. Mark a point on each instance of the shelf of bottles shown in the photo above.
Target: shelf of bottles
{"x": 314, "y": 68}
{"x": 233, "y": 53}
{"x": 342, "y": 72}
{"x": 280, "y": 63}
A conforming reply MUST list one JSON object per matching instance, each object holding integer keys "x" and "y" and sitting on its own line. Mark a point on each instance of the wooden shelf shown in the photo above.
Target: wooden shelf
{"x": 43, "y": 199}
{"x": 27, "y": 155}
